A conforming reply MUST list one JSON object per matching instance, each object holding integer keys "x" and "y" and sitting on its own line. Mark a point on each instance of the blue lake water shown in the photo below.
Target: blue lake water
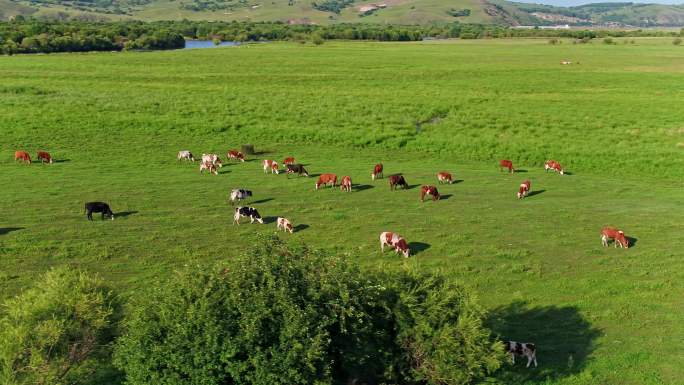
{"x": 197, "y": 44}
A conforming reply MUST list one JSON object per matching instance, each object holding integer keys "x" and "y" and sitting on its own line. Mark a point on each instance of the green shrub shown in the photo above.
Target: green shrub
{"x": 54, "y": 332}
{"x": 554, "y": 41}
{"x": 317, "y": 39}
{"x": 677, "y": 41}
{"x": 290, "y": 315}
{"x": 609, "y": 41}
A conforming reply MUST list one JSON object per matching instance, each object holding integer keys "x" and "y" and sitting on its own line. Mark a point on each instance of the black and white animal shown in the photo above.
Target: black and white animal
{"x": 98, "y": 207}
{"x": 295, "y": 169}
{"x": 250, "y": 212}
{"x": 522, "y": 349}
{"x": 185, "y": 154}
{"x": 238, "y": 195}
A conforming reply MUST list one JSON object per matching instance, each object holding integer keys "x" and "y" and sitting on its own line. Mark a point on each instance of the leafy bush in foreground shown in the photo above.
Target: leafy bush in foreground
{"x": 52, "y": 334}
{"x": 287, "y": 315}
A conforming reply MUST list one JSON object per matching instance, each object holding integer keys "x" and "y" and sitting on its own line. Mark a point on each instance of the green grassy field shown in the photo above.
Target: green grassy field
{"x": 600, "y": 315}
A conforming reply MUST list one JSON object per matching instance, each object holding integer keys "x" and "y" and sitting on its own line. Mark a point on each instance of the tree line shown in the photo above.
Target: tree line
{"x": 34, "y": 36}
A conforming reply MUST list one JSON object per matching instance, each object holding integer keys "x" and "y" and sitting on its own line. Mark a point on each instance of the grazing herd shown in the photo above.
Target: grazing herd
{"x": 24, "y": 157}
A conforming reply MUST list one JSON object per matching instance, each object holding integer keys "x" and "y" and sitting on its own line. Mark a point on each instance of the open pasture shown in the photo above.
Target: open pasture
{"x": 114, "y": 123}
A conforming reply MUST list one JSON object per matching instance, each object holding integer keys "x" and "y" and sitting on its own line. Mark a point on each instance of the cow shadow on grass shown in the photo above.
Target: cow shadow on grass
{"x": 518, "y": 170}
{"x": 563, "y": 337}
{"x": 124, "y": 214}
{"x": 456, "y": 181}
{"x": 630, "y": 240}
{"x": 361, "y": 187}
{"x": 261, "y": 201}
{"x": 269, "y": 220}
{"x": 61, "y": 160}
{"x": 222, "y": 171}
{"x": 418, "y": 247}
{"x": 445, "y": 197}
{"x": 7, "y": 230}
{"x": 536, "y": 192}
{"x": 300, "y": 227}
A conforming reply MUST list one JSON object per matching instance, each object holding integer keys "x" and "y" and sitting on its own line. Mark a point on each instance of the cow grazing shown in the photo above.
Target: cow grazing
{"x": 377, "y": 172}
{"x": 524, "y": 189}
{"x": 98, "y": 207}
{"x": 250, "y": 212}
{"x": 238, "y": 195}
{"x": 285, "y": 224}
{"x": 295, "y": 168}
{"x": 444, "y": 177}
{"x": 289, "y": 160}
{"x": 395, "y": 241}
{"x": 44, "y": 156}
{"x": 271, "y": 165}
{"x": 429, "y": 190}
{"x": 213, "y": 159}
{"x": 186, "y": 155}
{"x": 22, "y": 156}
{"x": 553, "y": 165}
{"x": 208, "y": 166}
{"x": 236, "y": 155}
{"x": 346, "y": 184}
{"x": 397, "y": 180}
{"x": 618, "y": 237}
{"x": 506, "y": 164}
{"x": 522, "y": 349}
{"x": 326, "y": 179}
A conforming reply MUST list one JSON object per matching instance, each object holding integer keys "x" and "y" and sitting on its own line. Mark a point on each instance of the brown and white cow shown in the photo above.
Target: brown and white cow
{"x": 553, "y": 165}
{"x": 346, "y": 184}
{"x": 377, "y": 172}
{"x": 395, "y": 241}
{"x": 236, "y": 155}
{"x": 271, "y": 165}
{"x": 429, "y": 190}
{"x": 208, "y": 166}
{"x": 213, "y": 159}
{"x": 44, "y": 156}
{"x": 185, "y": 154}
{"x": 444, "y": 177}
{"x": 22, "y": 156}
{"x": 289, "y": 160}
{"x": 524, "y": 189}
{"x": 522, "y": 349}
{"x": 285, "y": 224}
{"x": 397, "y": 180}
{"x": 326, "y": 179}
{"x": 618, "y": 237}
{"x": 506, "y": 164}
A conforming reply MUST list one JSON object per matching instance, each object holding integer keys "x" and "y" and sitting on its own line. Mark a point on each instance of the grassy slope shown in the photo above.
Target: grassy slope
{"x": 599, "y": 315}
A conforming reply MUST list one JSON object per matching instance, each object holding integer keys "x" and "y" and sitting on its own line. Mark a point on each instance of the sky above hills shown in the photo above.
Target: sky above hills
{"x": 570, "y": 3}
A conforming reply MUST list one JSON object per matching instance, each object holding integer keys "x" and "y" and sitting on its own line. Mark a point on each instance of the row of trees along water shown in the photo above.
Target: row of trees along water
{"x": 34, "y": 36}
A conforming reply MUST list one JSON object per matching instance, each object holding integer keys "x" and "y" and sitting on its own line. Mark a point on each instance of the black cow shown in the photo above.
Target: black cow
{"x": 397, "y": 180}
{"x": 98, "y": 207}
{"x": 250, "y": 212}
{"x": 238, "y": 195}
{"x": 295, "y": 168}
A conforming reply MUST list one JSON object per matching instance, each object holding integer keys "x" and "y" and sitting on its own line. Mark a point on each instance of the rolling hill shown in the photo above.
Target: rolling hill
{"x": 355, "y": 11}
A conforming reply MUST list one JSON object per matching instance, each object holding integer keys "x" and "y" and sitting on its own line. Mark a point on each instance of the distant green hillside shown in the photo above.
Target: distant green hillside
{"x": 364, "y": 11}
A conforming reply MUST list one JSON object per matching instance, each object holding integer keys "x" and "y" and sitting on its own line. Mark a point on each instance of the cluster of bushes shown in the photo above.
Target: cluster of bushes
{"x": 281, "y": 315}
{"x": 334, "y": 6}
{"x": 459, "y": 12}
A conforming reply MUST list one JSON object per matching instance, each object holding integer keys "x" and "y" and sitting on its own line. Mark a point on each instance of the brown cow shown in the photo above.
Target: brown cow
{"x": 553, "y": 165}
{"x": 271, "y": 165}
{"x": 377, "y": 171}
{"x": 397, "y": 180}
{"x": 208, "y": 166}
{"x": 22, "y": 156}
{"x": 396, "y": 241}
{"x": 429, "y": 190}
{"x": 346, "y": 184}
{"x": 618, "y": 237}
{"x": 285, "y": 224}
{"x": 506, "y": 164}
{"x": 44, "y": 157}
{"x": 289, "y": 160}
{"x": 326, "y": 179}
{"x": 236, "y": 155}
{"x": 444, "y": 177}
{"x": 524, "y": 189}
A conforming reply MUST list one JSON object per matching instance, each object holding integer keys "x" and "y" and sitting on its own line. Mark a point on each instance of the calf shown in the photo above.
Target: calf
{"x": 397, "y": 180}
{"x": 236, "y": 155}
{"x": 250, "y": 212}
{"x": 429, "y": 190}
{"x": 522, "y": 349}
{"x": 326, "y": 179}
{"x": 185, "y": 154}
{"x": 213, "y": 159}
{"x": 618, "y": 237}
{"x": 238, "y": 195}
{"x": 553, "y": 165}
{"x": 98, "y": 207}
{"x": 346, "y": 184}
{"x": 271, "y": 165}
{"x": 44, "y": 156}
{"x": 284, "y": 224}
{"x": 506, "y": 164}
{"x": 396, "y": 241}
{"x": 289, "y": 160}
{"x": 295, "y": 168}
{"x": 208, "y": 166}
{"x": 524, "y": 189}
{"x": 377, "y": 171}
{"x": 444, "y": 177}
{"x": 22, "y": 156}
